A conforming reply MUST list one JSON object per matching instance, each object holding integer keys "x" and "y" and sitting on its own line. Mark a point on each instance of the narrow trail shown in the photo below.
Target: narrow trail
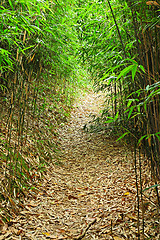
{"x": 90, "y": 194}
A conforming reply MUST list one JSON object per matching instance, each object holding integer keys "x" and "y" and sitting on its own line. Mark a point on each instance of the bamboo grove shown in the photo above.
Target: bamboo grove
{"x": 44, "y": 46}
{"x": 37, "y": 50}
{"x": 120, "y": 42}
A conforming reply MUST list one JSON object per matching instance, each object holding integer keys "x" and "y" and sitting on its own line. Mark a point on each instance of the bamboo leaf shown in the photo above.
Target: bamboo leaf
{"x": 134, "y": 70}
{"x": 142, "y": 68}
{"x": 141, "y": 138}
{"x": 130, "y": 111}
{"x": 129, "y": 102}
{"x": 125, "y": 71}
{"x": 10, "y": 3}
{"x": 126, "y": 133}
{"x": 153, "y": 186}
{"x": 157, "y": 135}
{"x": 109, "y": 121}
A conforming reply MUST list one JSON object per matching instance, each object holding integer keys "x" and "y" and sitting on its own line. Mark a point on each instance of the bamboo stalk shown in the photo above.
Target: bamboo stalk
{"x": 142, "y": 202}
{"x": 136, "y": 174}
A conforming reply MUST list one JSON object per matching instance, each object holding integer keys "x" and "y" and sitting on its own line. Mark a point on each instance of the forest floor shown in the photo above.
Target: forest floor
{"x": 89, "y": 194}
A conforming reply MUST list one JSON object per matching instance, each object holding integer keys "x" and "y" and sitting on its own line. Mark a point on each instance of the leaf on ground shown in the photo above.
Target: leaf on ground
{"x": 72, "y": 197}
{"x": 3, "y": 228}
{"x": 132, "y": 217}
{"x": 118, "y": 238}
{"x": 127, "y": 193}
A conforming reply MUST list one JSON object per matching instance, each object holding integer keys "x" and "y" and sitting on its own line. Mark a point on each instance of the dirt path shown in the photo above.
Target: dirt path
{"x": 90, "y": 195}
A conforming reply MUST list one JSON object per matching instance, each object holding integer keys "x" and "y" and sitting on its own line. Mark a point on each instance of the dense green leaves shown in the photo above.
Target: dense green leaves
{"x": 38, "y": 80}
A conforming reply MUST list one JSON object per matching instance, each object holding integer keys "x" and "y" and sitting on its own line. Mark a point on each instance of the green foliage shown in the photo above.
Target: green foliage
{"x": 43, "y": 45}
{"x": 38, "y": 71}
{"x": 129, "y": 75}
{"x": 120, "y": 44}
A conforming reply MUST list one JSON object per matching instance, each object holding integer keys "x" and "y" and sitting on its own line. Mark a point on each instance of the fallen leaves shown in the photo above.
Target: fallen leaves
{"x": 3, "y": 227}
{"x": 72, "y": 197}
{"x": 118, "y": 238}
{"x": 126, "y": 193}
{"x": 91, "y": 194}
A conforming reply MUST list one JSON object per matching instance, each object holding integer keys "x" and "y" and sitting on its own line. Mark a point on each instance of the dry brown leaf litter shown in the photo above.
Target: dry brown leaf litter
{"x": 90, "y": 195}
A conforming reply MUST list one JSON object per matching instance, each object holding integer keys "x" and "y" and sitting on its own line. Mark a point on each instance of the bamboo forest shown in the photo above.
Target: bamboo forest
{"x": 79, "y": 119}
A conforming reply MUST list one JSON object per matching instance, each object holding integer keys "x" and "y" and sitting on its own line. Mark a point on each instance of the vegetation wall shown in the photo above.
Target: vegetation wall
{"x": 37, "y": 83}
